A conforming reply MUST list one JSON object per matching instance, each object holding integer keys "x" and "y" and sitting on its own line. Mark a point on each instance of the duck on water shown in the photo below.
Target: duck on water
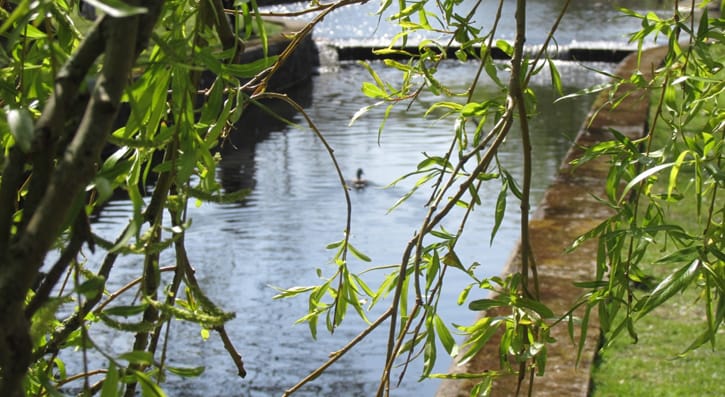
{"x": 359, "y": 182}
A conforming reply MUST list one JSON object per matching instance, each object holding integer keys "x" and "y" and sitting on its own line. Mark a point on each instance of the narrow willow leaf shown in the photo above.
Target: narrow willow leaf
{"x": 540, "y": 308}
{"x": 187, "y": 372}
{"x": 541, "y": 360}
{"x": 138, "y": 357}
{"x": 589, "y": 90}
{"x": 362, "y": 111}
{"x": 111, "y": 383}
{"x": 261, "y": 28}
{"x": 206, "y": 319}
{"x": 142, "y": 326}
{"x": 360, "y": 283}
{"x": 505, "y": 46}
{"x": 125, "y": 311}
{"x": 583, "y": 335}
{"x": 429, "y": 355}
{"x": 444, "y": 335}
{"x": 219, "y": 197}
{"x": 48, "y": 385}
{"x": 639, "y": 178}
{"x": 149, "y": 388}
{"x": 512, "y": 185}
{"x": 672, "y": 284}
{"x": 432, "y": 269}
{"x": 248, "y": 70}
{"x": 334, "y": 245}
{"x": 555, "y": 78}
{"x": 500, "y": 211}
{"x": 290, "y": 292}
{"x": 477, "y": 341}
{"x": 373, "y": 91}
{"x": 570, "y": 327}
{"x": 91, "y": 288}
{"x": 358, "y": 254}
{"x": 464, "y": 294}
{"x": 485, "y": 304}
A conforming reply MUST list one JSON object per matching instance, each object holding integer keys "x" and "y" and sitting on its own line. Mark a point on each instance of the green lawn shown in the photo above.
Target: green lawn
{"x": 652, "y": 366}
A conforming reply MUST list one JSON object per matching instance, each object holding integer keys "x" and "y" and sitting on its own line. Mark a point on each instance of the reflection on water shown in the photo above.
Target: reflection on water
{"x": 587, "y": 23}
{"x": 277, "y": 237}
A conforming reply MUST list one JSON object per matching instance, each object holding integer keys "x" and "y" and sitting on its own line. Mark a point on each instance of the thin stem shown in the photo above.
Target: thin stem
{"x": 334, "y": 356}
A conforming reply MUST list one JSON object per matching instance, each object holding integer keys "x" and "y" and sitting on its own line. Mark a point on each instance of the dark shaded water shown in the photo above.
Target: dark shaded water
{"x": 278, "y": 237}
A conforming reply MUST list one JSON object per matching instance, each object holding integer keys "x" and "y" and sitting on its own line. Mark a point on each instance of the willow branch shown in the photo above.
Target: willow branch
{"x": 331, "y": 152}
{"x": 339, "y": 353}
{"x": 260, "y": 81}
{"x": 517, "y": 90}
{"x": 79, "y": 234}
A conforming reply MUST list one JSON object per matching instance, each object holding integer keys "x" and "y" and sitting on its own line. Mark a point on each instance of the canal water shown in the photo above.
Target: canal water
{"x": 277, "y": 236}
{"x": 587, "y": 24}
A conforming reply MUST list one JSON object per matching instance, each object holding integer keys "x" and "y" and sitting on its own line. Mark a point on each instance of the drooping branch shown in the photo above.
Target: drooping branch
{"x": 52, "y": 203}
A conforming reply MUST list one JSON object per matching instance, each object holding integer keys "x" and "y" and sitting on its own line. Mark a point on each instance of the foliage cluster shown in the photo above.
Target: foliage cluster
{"x": 171, "y": 69}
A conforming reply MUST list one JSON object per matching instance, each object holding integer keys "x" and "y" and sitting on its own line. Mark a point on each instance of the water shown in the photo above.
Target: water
{"x": 277, "y": 237}
{"x": 587, "y": 24}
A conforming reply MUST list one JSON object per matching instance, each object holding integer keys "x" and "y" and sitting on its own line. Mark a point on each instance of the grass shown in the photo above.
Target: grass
{"x": 654, "y": 365}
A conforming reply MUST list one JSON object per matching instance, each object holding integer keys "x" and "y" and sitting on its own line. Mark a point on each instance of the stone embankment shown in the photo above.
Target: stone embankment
{"x": 567, "y": 210}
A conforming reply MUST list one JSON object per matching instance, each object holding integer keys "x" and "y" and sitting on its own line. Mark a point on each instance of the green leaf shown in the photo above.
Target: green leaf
{"x": 20, "y": 11}
{"x": 451, "y": 260}
{"x": 111, "y": 383}
{"x": 485, "y": 328}
{"x": 117, "y": 8}
{"x": 373, "y": 91}
{"x": 672, "y": 284}
{"x": 485, "y": 304}
{"x": 429, "y": 355}
{"x": 464, "y": 294}
{"x": 445, "y": 336}
{"x": 138, "y": 357}
{"x": 92, "y": 287}
{"x": 21, "y": 127}
{"x": 358, "y": 254}
{"x": 334, "y": 245}
{"x": 149, "y": 388}
{"x": 125, "y": 311}
{"x": 504, "y": 46}
{"x": 583, "y": 334}
{"x": 248, "y": 70}
{"x": 540, "y": 308}
{"x": 432, "y": 269}
{"x": 500, "y": 210}
{"x": 555, "y": 78}
{"x": 289, "y": 292}
{"x": 642, "y": 176}
{"x": 186, "y": 372}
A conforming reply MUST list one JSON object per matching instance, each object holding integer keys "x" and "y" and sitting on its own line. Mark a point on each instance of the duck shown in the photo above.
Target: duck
{"x": 359, "y": 182}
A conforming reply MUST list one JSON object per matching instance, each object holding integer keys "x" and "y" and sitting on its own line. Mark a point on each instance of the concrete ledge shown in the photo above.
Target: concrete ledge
{"x": 352, "y": 53}
{"x": 566, "y": 211}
